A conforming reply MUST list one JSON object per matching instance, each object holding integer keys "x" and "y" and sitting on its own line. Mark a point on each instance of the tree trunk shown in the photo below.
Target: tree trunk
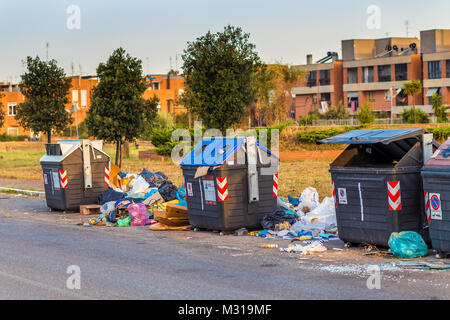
{"x": 49, "y": 137}
{"x": 117, "y": 153}
{"x": 120, "y": 156}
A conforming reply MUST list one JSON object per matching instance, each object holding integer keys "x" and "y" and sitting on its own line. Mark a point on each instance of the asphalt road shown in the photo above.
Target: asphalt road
{"x": 38, "y": 246}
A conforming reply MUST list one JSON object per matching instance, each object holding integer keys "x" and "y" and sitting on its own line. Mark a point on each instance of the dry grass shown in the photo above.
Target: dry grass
{"x": 20, "y": 160}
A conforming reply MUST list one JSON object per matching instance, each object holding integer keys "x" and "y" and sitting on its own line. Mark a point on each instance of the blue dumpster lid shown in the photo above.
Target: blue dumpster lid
{"x": 372, "y": 136}
{"x": 211, "y": 152}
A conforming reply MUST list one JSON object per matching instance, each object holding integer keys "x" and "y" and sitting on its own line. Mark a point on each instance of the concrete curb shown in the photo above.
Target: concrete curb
{"x": 26, "y": 192}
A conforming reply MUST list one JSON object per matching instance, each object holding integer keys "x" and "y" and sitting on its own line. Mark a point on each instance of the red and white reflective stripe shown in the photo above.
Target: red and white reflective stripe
{"x": 394, "y": 195}
{"x": 334, "y": 194}
{"x": 222, "y": 188}
{"x": 63, "y": 178}
{"x": 427, "y": 206}
{"x": 107, "y": 170}
{"x": 275, "y": 185}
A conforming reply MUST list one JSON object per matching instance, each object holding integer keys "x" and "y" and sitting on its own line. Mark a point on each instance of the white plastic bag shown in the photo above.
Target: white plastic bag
{"x": 140, "y": 185}
{"x": 309, "y": 199}
{"x": 324, "y": 214}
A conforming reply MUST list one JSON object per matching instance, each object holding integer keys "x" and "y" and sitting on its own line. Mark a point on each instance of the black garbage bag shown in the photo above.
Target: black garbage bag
{"x": 278, "y": 216}
{"x": 110, "y": 195}
{"x": 168, "y": 192}
{"x": 156, "y": 179}
{"x": 147, "y": 176}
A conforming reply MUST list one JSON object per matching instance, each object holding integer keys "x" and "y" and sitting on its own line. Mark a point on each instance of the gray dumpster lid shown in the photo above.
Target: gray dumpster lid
{"x": 67, "y": 147}
{"x": 373, "y": 136}
{"x": 441, "y": 157}
{"x": 212, "y": 152}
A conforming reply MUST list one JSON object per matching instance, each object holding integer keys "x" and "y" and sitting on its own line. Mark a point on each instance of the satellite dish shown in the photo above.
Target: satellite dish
{"x": 389, "y": 48}
{"x": 413, "y": 46}
{"x": 395, "y": 48}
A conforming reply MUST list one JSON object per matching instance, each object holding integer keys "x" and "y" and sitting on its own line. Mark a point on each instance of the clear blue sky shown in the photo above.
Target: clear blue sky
{"x": 283, "y": 30}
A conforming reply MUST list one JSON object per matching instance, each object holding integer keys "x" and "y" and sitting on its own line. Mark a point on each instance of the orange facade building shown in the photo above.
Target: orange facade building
{"x": 167, "y": 88}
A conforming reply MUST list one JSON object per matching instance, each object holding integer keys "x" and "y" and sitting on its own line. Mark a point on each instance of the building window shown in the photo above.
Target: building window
{"x": 12, "y": 109}
{"x": 384, "y": 73}
{"x": 312, "y": 79}
{"x": 447, "y": 64}
{"x": 325, "y": 97}
{"x": 367, "y": 74}
{"x": 402, "y": 99}
{"x": 352, "y": 75}
{"x": 324, "y": 77}
{"x": 156, "y": 86}
{"x": 13, "y": 132}
{"x": 371, "y": 96}
{"x": 83, "y": 98}
{"x": 434, "y": 69}
{"x": 401, "y": 72}
{"x": 431, "y": 92}
{"x": 75, "y": 97}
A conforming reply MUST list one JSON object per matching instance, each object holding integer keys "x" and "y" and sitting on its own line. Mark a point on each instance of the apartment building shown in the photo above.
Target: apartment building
{"x": 168, "y": 89}
{"x": 374, "y": 72}
{"x": 436, "y": 64}
{"x": 320, "y": 88}
{"x": 79, "y": 102}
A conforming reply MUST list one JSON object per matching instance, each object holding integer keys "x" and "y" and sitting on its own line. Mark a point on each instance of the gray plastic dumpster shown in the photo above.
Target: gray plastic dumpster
{"x": 231, "y": 183}
{"x": 74, "y": 173}
{"x": 436, "y": 184}
{"x": 377, "y": 184}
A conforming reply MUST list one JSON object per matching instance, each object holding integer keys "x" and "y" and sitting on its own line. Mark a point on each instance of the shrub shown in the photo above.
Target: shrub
{"x": 440, "y": 133}
{"x": 4, "y": 137}
{"x": 161, "y": 137}
{"x": 365, "y": 114}
{"x": 312, "y": 136}
{"x": 408, "y": 116}
{"x": 307, "y": 120}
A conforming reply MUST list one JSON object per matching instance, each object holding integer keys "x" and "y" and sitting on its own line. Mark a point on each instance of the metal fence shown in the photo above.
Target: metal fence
{"x": 352, "y": 122}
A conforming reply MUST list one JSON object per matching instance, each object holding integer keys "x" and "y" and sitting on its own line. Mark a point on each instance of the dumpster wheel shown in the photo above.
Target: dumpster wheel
{"x": 441, "y": 254}
{"x": 349, "y": 244}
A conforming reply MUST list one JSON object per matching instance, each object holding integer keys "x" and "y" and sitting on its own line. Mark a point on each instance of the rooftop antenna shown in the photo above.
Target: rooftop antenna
{"x": 81, "y": 69}
{"x": 407, "y": 28}
{"x": 47, "y": 45}
{"x": 170, "y": 58}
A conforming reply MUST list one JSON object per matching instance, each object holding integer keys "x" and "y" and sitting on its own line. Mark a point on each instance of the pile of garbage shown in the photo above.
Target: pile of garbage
{"x": 132, "y": 199}
{"x": 302, "y": 219}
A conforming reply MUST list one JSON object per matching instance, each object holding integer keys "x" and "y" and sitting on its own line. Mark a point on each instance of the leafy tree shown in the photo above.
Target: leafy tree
{"x": 365, "y": 114}
{"x": 2, "y": 113}
{"x": 411, "y": 115}
{"x": 412, "y": 89}
{"x": 440, "y": 111}
{"x": 45, "y": 88}
{"x": 118, "y": 111}
{"x": 281, "y": 79}
{"x": 219, "y": 71}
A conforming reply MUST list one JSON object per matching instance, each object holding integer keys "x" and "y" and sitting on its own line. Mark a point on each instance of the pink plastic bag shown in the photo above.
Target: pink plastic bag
{"x": 138, "y": 215}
